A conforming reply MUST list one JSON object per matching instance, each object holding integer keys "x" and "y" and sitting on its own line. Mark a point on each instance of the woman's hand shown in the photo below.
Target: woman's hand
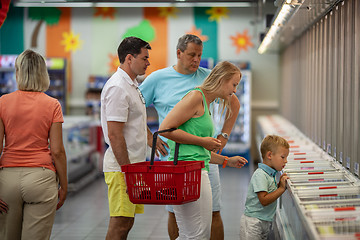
{"x": 62, "y": 196}
{"x": 3, "y": 207}
{"x": 236, "y": 162}
{"x": 223, "y": 143}
{"x": 210, "y": 143}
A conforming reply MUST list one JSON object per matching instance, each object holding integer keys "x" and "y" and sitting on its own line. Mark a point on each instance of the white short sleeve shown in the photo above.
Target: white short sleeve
{"x": 116, "y": 104}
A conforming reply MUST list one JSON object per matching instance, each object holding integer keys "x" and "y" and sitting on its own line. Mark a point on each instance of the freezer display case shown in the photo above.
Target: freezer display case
{"x": 322, "y": 200}
{"x": 84, "y": 160}
{"x": 240, "y": 137}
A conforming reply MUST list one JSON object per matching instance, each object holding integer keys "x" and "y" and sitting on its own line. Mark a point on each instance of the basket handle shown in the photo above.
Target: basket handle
{"x": 176, "y": 153}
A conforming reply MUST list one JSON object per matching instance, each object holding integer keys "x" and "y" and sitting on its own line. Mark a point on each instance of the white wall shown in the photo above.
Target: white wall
{"x": 265, "y": 68}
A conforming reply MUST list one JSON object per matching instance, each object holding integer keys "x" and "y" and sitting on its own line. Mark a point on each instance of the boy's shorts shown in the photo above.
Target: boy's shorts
{"x": 119, "y": 203}
{"x": 254, "y": 229}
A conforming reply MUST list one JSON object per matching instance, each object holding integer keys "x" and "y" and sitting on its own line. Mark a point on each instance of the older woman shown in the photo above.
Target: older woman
{"x": 30, "y": 169}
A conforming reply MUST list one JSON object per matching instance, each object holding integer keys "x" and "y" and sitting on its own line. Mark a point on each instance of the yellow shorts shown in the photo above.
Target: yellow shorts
{"x": 119, "y": 203}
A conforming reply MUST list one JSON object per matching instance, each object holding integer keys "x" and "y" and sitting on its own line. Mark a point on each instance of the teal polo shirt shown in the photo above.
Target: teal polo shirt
{"x": 263, "y": 180}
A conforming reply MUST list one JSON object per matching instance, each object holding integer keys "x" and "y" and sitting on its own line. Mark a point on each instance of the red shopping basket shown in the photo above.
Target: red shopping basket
{"x": 163, "y": 182}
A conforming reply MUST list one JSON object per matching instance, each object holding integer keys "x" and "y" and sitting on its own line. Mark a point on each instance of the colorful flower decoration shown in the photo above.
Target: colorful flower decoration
{"x": 241, "y": 41}
{"x": 105, "y": 12}
{"x": 216, "y": 13}
{"x": 197, "y": 32}
{"x": 71, "y": 41}
{"x": 114, "y": 63}
{"x": 168, "y": 12}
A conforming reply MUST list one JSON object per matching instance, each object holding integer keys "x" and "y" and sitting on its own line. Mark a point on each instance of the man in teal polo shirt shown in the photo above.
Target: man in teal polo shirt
{"x": 164, "y": 89}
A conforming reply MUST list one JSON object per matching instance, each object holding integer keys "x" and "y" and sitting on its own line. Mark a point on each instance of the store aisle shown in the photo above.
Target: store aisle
{"x": 85, "y": 213}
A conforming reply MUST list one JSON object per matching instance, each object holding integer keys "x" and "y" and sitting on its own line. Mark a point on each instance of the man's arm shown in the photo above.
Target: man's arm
{"x": 229, "y": 122}
{"x": 117, "y": 142}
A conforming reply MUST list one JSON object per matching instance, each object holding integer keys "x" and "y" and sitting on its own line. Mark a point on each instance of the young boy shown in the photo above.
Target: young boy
{"x": 263, "y": 191}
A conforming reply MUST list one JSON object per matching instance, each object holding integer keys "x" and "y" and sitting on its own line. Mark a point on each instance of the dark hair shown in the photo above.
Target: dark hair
{"x": 187, "y": 38}
{"x": 131, "y": 45}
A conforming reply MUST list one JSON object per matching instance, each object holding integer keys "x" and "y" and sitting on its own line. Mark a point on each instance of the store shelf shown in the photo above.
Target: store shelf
{"x": 57, "y": 73}
{"x": 84, "y": 160}
{"x": 93, "y": 94}
{"x": 322, "y": 200}
{"x": 240, "y": 137}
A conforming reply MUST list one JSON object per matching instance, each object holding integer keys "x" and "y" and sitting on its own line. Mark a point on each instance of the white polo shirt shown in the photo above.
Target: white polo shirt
{"x": 121, "y": 102}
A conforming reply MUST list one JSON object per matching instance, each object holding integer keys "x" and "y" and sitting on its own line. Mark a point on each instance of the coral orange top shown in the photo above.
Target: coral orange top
{"x": 27, "y": 118}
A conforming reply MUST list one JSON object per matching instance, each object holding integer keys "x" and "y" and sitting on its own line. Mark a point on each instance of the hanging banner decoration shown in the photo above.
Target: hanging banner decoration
{"x": 168, "y": 12}
{"x": 209, "y": 29}
{"x": 54, "y": 34}
{"x": 11, "y": 38}
{"x": 54, "y": 38}
{"x": 216, "y": 13}
{"x": 105, "y": 12}
{"x": 105, "y": 35}
{"x": 159, "y": 44}
{"x": 50, "y": 16}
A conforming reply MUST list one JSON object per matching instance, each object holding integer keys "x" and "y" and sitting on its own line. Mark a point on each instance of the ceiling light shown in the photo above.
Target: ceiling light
{"x": 79, "y": 3}
{"x": 283, "y": 16}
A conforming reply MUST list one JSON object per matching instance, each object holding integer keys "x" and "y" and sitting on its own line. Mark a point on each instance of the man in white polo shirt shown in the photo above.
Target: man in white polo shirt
{"x": 123, "y": 120}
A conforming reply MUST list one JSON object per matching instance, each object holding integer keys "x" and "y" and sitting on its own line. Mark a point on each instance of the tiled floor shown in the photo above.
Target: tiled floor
{"x": 85, "y": 213}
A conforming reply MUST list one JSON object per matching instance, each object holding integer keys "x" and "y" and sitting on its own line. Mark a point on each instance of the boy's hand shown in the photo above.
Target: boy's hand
{"x": 282, "y": 182}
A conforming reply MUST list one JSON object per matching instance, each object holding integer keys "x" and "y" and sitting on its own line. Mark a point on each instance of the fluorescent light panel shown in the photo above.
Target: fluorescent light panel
{"x": 283, "y": 16}
{"x": 179, "y": 3}
{"x": 54, "y": 4}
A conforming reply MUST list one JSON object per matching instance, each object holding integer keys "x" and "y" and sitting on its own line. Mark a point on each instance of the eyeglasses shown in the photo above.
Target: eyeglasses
{"x": 140, "y": 95}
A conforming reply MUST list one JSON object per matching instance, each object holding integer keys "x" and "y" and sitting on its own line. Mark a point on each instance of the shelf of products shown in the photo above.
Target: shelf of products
{"x": 57, "y": 73}
{"x": 93, "y": 103}
{"x": 322, "y": 200}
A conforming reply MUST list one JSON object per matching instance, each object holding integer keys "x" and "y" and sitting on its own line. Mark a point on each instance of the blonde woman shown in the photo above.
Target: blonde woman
{"x": 29, "y": 165}
{"x": 194, "y": 132}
